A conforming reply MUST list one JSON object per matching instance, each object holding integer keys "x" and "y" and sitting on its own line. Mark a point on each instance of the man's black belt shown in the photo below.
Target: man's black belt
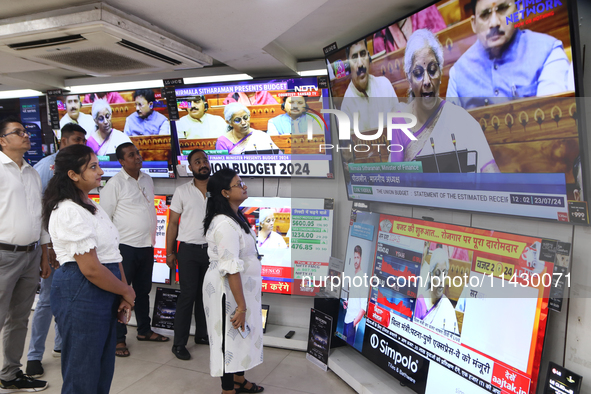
{"x": 19, "y": 248}
{"x": 202, "y": 246}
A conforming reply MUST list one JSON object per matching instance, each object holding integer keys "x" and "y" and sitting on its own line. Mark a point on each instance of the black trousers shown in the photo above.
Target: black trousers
{"x": 193, "y": 263}
{"x": 138, "y": 264}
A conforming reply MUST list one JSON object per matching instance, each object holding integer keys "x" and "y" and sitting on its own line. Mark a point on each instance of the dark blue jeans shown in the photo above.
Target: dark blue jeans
{"x": 350, "y": 333}
{"x": 86, "y": 316}
{"x": 138, "y": 264}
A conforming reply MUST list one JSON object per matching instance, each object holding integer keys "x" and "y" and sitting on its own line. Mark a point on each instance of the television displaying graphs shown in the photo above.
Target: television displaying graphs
{"x": 446, "y": 308}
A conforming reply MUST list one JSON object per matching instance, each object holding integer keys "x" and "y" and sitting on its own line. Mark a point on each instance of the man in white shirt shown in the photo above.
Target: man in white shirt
{"x": 354, "y": 306}
{"x": 21, "y": 235}
{"x": 198, "y": 123}
{"x": 74, "y": 115}
{"x": 128, "y": 199}
{"x": 71, "y": 133}
{"x": 366, "y": 94}
{"x": 188, "y": 204}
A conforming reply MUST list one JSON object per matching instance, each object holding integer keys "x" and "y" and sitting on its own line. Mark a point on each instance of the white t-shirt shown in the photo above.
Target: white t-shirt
{"x": 130, "y": 205}
{"x": 74, "y": 230}
{"x": 84, "y": 120}
{"x": 381, "y": 97}
{"x": 354, "y": 306}
{"x": 189, "y": 202}
{"x": 209, "y": 126}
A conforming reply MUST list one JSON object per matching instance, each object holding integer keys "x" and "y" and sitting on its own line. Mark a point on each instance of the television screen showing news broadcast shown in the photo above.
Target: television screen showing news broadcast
{"x": 445, "y": 308}
{"x": 465, "y": 105}
{"x": 294, "y": 236}
{"x": 268, "y": 128}
{"x": 112, "y": 118}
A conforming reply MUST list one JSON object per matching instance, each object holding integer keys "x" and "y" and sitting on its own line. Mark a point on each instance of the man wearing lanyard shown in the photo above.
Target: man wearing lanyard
{"x": 188, "y": 204}
{"x": 128, "y": 199}
{"x": 21, "y": 235}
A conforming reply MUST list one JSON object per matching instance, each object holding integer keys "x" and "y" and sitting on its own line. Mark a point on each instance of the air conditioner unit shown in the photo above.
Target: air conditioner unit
{"x": 97, "y": 40}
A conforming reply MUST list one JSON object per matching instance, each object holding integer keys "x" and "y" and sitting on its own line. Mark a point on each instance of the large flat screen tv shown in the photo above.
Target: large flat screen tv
{"x": 270, "y": 141}
{"x": 294, "y": 236}
{"x": 112, "y": 118}
{"x": 491, "y": 86}
{"x": 446, "y": 308}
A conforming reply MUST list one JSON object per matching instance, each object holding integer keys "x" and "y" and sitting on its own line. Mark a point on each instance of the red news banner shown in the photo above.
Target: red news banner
{"x": 496, "y": 296}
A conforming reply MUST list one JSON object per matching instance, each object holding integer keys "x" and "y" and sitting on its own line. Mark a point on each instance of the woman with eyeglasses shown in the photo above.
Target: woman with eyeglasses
{"x": 268, "y": 238}
{"x": 232, "y": 285}
{"x": 241, "y": 138}
{"x": 105, "y": 140}
{"x": 441, "y": 127}
{"x": 432, "y": 306}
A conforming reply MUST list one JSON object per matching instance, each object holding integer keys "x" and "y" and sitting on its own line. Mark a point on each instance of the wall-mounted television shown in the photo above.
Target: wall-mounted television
{"x": 493, "y": 92}
{"x": 269, "y": 141}
{"x": 112, "y": 118}
{"x": 294, "y": 236}
{"x": 446, "y": 308}
{"x": 28, "y": 110}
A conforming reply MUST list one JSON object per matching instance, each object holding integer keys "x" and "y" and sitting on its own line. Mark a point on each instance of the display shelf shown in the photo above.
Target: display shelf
{"x": 363, "y": 375}
{"x": 275, "y": 337}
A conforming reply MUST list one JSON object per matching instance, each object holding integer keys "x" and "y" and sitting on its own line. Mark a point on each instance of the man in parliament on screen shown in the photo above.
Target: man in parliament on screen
{"x": 506, "y": 62}
{"x": 74, "y": 115}
{"x": 146, "y": 121}
{"x": 445, "y": 133}
{"x": 354, "y": 306}
{"x": 432, "y": 306}
{"x": 366, "y": 94}
{"x": 198, "y": 123}
{"x": 296, "y": 118}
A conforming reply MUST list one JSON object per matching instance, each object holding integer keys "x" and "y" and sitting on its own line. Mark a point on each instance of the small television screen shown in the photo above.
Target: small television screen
{"x": 446, "y": 308}
{"x": 28, "y": 110}
{"x": 294, "y": 236}
{"x": 112, "y": 118}
{"x": 275, "y": 128}
{"x": 465, "y": 105}
{"x": 160, "y": 272}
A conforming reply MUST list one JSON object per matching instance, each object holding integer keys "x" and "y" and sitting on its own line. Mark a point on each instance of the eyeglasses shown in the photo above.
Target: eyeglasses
{"x": 240, "y": 185}
{"x": 20, "y": 133}
{"x": 432, "y": 69}
{"x": 501, "y": 10}
{"x": 102, "y": 118}
{"x": 239, "y": 119}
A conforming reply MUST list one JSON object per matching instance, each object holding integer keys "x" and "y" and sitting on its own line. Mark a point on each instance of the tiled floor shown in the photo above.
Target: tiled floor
{"x": 152, "y": 368}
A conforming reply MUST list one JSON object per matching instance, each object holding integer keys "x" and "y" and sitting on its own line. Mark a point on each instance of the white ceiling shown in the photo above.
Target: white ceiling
{"x": 257, "y": 37}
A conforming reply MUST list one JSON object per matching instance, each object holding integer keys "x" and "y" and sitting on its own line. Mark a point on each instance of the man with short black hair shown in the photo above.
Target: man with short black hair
{"x": 23, "y": 244}
{"x": 506, "y": 62}
{"x": 366, "y": 94}
{"x": 146, "y": 121}
{"x": 74, "y": 115}
{"x": 188, "y": 203}
{"x": 198, "y": 123}
{"x": 128, "y": 199}
{"x": 72, "y": 134}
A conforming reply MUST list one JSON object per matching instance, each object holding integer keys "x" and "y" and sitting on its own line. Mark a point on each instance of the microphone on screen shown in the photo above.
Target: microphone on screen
{"x": 434, "y": 154}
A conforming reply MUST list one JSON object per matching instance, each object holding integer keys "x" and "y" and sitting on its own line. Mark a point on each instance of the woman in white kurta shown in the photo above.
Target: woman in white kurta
{"x": 232, "y": 286}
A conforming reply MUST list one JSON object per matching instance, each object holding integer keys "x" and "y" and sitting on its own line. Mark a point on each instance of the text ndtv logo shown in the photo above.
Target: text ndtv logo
{"x": 392, "y": 122}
